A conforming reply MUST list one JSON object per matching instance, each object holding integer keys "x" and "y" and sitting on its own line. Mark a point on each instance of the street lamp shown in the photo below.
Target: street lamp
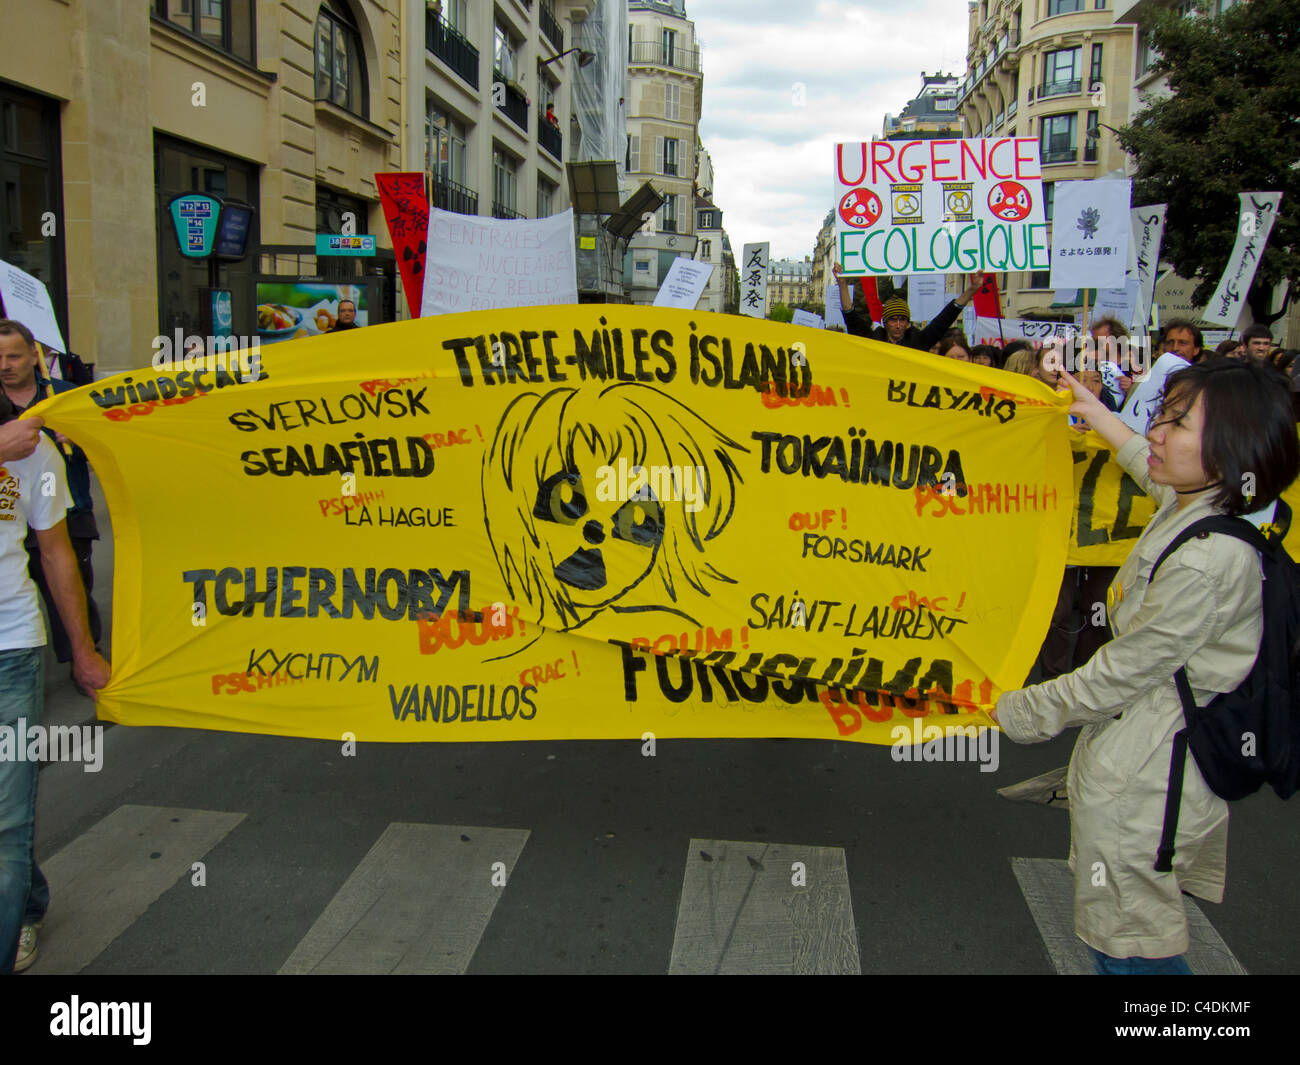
{"x": 584, "y": 58}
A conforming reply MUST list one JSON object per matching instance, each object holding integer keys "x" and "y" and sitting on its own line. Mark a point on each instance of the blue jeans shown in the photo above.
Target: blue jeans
{"x": 1105, "y": 965}
{"x": 24, "y": 893}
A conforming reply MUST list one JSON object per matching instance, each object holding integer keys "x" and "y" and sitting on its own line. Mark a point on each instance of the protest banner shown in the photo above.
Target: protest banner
{"x": 834, "y": 311}
{"x": 1111, "y": 509}
{"x": 807, "y": 318}
{"x": 1144, "y": 397}
{"x": 1120, "y": 304}
{"x": 27, "y": 300}
{"x": 1255, "y": 222}
{"x": 1090, "y": 233}
{"x": 939, "y": 206}
{"x": 480, "y": 263}
{"x": 753, "y": 280}
{"x": 684, "y": 284}
{"x": 629, "y": 520}
{"x": 1147, "y": 232}
{"x": 405, "y": 200}
{"x": 983, "y": 330}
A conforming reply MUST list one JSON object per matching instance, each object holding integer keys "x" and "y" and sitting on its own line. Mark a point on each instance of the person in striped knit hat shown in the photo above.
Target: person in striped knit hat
{"x": 896, "y": 317}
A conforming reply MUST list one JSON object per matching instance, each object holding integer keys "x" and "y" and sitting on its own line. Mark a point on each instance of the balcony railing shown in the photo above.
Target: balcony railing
{"x": 549, "y": 137}
{"x": 448, "y": 196}
{"x": 449, "y": 46}
{"x": 515, "y": 104}
{"x": 998, "y": 119}
{"x": 1060, "y": 155}
{"x": 654, "y": 53}
{"x": 1059, "y": 88}
{"x": 550, "y": 26}
{"x": 1090, "y": 151}
{"x": 1012, "y": 108}
{"x": 500, "y": 210}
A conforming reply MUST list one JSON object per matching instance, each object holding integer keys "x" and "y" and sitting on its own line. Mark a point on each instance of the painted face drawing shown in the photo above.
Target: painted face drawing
{"x": 605, "y": 497}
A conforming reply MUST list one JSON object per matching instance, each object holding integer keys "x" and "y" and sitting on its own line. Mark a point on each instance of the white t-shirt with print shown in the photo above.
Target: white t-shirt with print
{"x": 27, "y": 498}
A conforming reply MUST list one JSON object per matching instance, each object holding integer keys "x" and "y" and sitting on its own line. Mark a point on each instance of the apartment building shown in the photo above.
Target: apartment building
{"x": 1057, "y": 70}
{"x": 932, "y": 112}
{"x": 665, "y": 89}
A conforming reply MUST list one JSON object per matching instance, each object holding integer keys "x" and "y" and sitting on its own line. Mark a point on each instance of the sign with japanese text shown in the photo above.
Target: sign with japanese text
{"x": 1090, "y": 233}
{"x": 939, "y": 206}
{"x": 753, "y": 280}
{"x": 405, "y": 200}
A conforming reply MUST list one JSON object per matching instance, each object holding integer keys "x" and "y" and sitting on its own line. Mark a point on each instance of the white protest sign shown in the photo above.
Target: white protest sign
{"x": 27, "y": 300}
{"x": 1090, "y": 232}
{"x": 1118, "y": 303}
{"x": 936, "y": 206}
{"x": 834, "y": 311}
{"x": 474, "y": 263}
{"x": 684, "y": 284}
{"x": 1110, "y": 375}
{"x": 1255, "y": 222}
{"x": 926, "y": 296}
{"x": 1144, "y": 396}
{"x": 986, "y": 329}
{"x": 1147, "y": 229}
{"x": 812, "y": 321}
{"x": 753, "y": 280}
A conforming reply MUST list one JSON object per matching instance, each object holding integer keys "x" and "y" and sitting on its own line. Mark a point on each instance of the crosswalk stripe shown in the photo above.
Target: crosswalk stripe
{"x": 418, "y": 902}
{"x": 107, "y": 877}
{"x": 1048, "y": 887}
{"x": 744, "y": 909}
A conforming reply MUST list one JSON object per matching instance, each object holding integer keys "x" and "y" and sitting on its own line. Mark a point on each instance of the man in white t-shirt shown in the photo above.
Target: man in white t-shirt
{"x": 33, "y": 493}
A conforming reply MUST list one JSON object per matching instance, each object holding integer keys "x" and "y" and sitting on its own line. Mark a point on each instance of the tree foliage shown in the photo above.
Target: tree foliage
{"x": 781, "y": 313}
{"x": 1228, "y": 126}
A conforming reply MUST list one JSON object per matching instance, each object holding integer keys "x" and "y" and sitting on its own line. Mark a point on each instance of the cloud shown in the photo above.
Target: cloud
{"x": 785, "y": 80}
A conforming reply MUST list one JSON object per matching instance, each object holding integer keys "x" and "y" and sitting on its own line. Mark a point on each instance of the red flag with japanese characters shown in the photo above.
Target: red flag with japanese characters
{"x": 405, "y": 201}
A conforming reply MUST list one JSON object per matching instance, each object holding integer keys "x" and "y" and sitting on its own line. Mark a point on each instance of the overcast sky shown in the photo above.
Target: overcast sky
{"x": 857, "y": 60}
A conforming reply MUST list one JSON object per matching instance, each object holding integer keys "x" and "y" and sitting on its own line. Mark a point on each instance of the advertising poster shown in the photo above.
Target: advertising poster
{"x": 292, "y": 310}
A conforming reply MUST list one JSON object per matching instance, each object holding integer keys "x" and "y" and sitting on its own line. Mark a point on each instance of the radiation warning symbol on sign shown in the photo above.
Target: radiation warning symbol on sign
{"x": 860, "y": 208}
{"x": 907, "y": 203}
{"x": 1010, "y": 201}
{"x": 958, "y": 201}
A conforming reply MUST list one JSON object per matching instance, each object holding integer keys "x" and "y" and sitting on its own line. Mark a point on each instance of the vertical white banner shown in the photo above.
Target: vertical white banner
{"x": 1090, "y": 231}
{"x": 834, "y": 312}
{"x": 753, "y": 280}
{"x": 1148, "y": 233}
{"x": 1255, "y": 222}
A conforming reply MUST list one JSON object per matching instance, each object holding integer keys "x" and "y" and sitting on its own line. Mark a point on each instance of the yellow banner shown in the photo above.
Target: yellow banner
{"x": 1111, "y": 510}
{"x": 575, "y": 522}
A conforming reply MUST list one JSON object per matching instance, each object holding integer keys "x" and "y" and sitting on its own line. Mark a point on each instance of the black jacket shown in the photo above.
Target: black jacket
{"x": 859, "y": 325}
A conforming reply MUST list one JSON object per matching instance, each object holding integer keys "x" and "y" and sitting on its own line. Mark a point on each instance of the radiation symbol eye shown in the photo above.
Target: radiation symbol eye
{"x": 561, "y": 498}
{"x": 639, "y": 521}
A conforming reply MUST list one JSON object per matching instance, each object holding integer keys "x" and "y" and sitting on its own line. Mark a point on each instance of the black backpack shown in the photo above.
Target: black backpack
{"x": 1251, "y": 736}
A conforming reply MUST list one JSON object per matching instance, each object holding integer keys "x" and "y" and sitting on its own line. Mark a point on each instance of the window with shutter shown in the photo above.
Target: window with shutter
{"x": 634, "y": 154}
{"x": 659, "y": 155}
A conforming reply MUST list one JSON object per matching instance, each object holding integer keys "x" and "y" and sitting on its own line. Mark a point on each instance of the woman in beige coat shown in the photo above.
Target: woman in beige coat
{"x": 1224, "y": 428}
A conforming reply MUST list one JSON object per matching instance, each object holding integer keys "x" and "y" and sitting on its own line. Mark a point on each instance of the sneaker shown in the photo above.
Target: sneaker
{"x": 26, "y": 947}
